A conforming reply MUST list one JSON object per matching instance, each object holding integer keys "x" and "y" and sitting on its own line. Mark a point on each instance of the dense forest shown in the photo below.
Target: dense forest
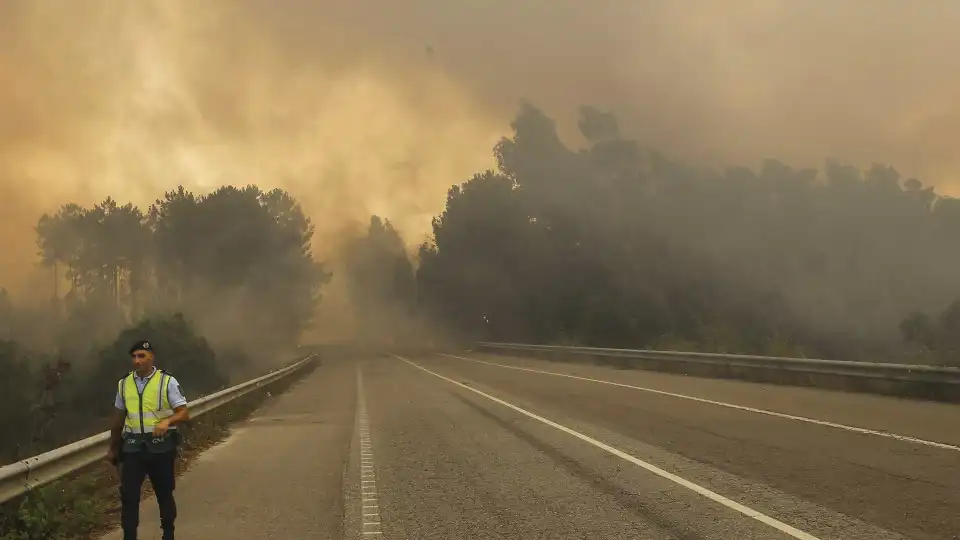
{"x": 223, "y": 283}
{"x": 611, "y": 245}
{"x": 617, "y": 245}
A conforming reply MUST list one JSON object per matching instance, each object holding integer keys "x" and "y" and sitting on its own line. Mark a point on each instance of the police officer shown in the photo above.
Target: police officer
{"x": 144, "y": 438}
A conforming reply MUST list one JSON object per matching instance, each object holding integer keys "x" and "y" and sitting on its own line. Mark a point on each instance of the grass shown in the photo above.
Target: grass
{"x": 86, "y": 505}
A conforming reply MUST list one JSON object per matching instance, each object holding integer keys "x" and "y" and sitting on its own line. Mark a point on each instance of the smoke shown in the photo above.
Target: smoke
{"x": 131, "y": 99}
{"x": 377, "y": 107}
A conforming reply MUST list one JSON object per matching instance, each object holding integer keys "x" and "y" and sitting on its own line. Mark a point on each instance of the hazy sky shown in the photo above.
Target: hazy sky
{"x": 344, "y": 103}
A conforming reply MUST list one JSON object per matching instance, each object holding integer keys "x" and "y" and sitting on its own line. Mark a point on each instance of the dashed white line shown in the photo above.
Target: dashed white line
{"x": 713, "y": 496}
{"x": 369, "y": 506}
{"x": 855, "y": 429}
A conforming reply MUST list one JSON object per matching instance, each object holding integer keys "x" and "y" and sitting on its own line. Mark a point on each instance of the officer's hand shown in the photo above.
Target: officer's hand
{"x": 112, "y": 455}
{"x": 161, "y": 429}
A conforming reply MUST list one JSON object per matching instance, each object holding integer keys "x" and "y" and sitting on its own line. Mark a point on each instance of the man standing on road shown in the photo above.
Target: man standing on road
{"x": 144, "y": 438}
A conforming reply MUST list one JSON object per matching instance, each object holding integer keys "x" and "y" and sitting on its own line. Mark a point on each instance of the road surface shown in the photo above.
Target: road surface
{"x": 476, "y": 446}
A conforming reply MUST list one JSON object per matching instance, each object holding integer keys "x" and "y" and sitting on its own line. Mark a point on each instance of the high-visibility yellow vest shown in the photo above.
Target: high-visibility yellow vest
{"x": 145, "y": 410}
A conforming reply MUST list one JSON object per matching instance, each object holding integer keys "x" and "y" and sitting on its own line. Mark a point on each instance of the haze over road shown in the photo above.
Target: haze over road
{"x": 468, "y": 446}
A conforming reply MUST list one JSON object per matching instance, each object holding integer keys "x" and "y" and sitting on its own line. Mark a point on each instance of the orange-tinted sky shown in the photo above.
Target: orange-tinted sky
{"x": 342, "y": 103}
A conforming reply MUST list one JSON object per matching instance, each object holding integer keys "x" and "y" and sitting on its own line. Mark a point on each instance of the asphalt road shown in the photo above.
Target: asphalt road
{"x": 279, "y": 475}
{"x": 496, "y": 447}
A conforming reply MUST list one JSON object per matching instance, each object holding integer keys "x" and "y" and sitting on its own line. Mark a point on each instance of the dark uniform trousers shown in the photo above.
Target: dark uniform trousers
{"x": 133, "y": 469}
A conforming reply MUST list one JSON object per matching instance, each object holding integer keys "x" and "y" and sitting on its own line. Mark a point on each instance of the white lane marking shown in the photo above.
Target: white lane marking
{"x": 369, "y": 507}
{"x": 713, "y": 496}
{"x": 855, "y": 429}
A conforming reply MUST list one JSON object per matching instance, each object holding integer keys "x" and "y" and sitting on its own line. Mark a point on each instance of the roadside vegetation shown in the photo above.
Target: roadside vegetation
{"x": 605, "y": 243}
{"x": 616, "y": 245}
{"x": 223, "y": 284}
{"x": 84, "y": 505}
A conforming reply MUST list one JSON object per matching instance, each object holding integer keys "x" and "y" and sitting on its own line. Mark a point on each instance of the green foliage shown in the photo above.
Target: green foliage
{"x": 938, "y": 337}
{"x": 48, "y": 400}
{"x": 81, "y": 506}
{"x": 237, "y": 260}
{"x": 380, "y": 279}
{"x": 236, "y": 263}
{"x": 16, "y": 387}
{"x": 64, "y": 510}
{"x": 101, "y": 247}
{"x": 242, "y": 252}
{"x": 380, "y": 273}
{"x": 179, "y": 350}
{"x": 617, "y": 245}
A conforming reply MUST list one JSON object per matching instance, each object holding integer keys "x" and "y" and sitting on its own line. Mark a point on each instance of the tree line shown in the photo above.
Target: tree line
{"x": 217, "y": 280}
{"x": 618, "y": 245}
{"x": 611, "y": 244}
{"x": 240, "y": 251}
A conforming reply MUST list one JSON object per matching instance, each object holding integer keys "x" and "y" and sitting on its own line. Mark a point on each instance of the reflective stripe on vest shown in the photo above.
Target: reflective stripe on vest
{"x": 145, "y": 410}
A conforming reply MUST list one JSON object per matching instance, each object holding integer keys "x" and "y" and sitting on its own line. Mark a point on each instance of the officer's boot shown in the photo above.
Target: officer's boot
{"x": 167, "y": 529}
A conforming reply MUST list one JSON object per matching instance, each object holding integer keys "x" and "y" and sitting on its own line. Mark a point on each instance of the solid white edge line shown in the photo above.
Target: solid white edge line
{"x": 716, "y": 497}
{"x": 855, "y": 429}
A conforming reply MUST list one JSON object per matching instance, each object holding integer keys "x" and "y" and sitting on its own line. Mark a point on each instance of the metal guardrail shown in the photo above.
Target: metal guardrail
{"x": 28, "y": 474}
{"x": 863, "y": 370}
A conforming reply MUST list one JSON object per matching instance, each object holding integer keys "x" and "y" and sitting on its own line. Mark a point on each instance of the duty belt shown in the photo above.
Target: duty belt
{"x": 134, "y": 442}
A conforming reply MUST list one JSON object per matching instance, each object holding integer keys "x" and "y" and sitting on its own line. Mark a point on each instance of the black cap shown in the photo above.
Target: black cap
{"x": 141, "y": 346}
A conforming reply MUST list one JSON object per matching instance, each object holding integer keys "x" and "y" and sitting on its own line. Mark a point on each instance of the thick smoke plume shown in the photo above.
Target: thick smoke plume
{"x": 376, "y": 106}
